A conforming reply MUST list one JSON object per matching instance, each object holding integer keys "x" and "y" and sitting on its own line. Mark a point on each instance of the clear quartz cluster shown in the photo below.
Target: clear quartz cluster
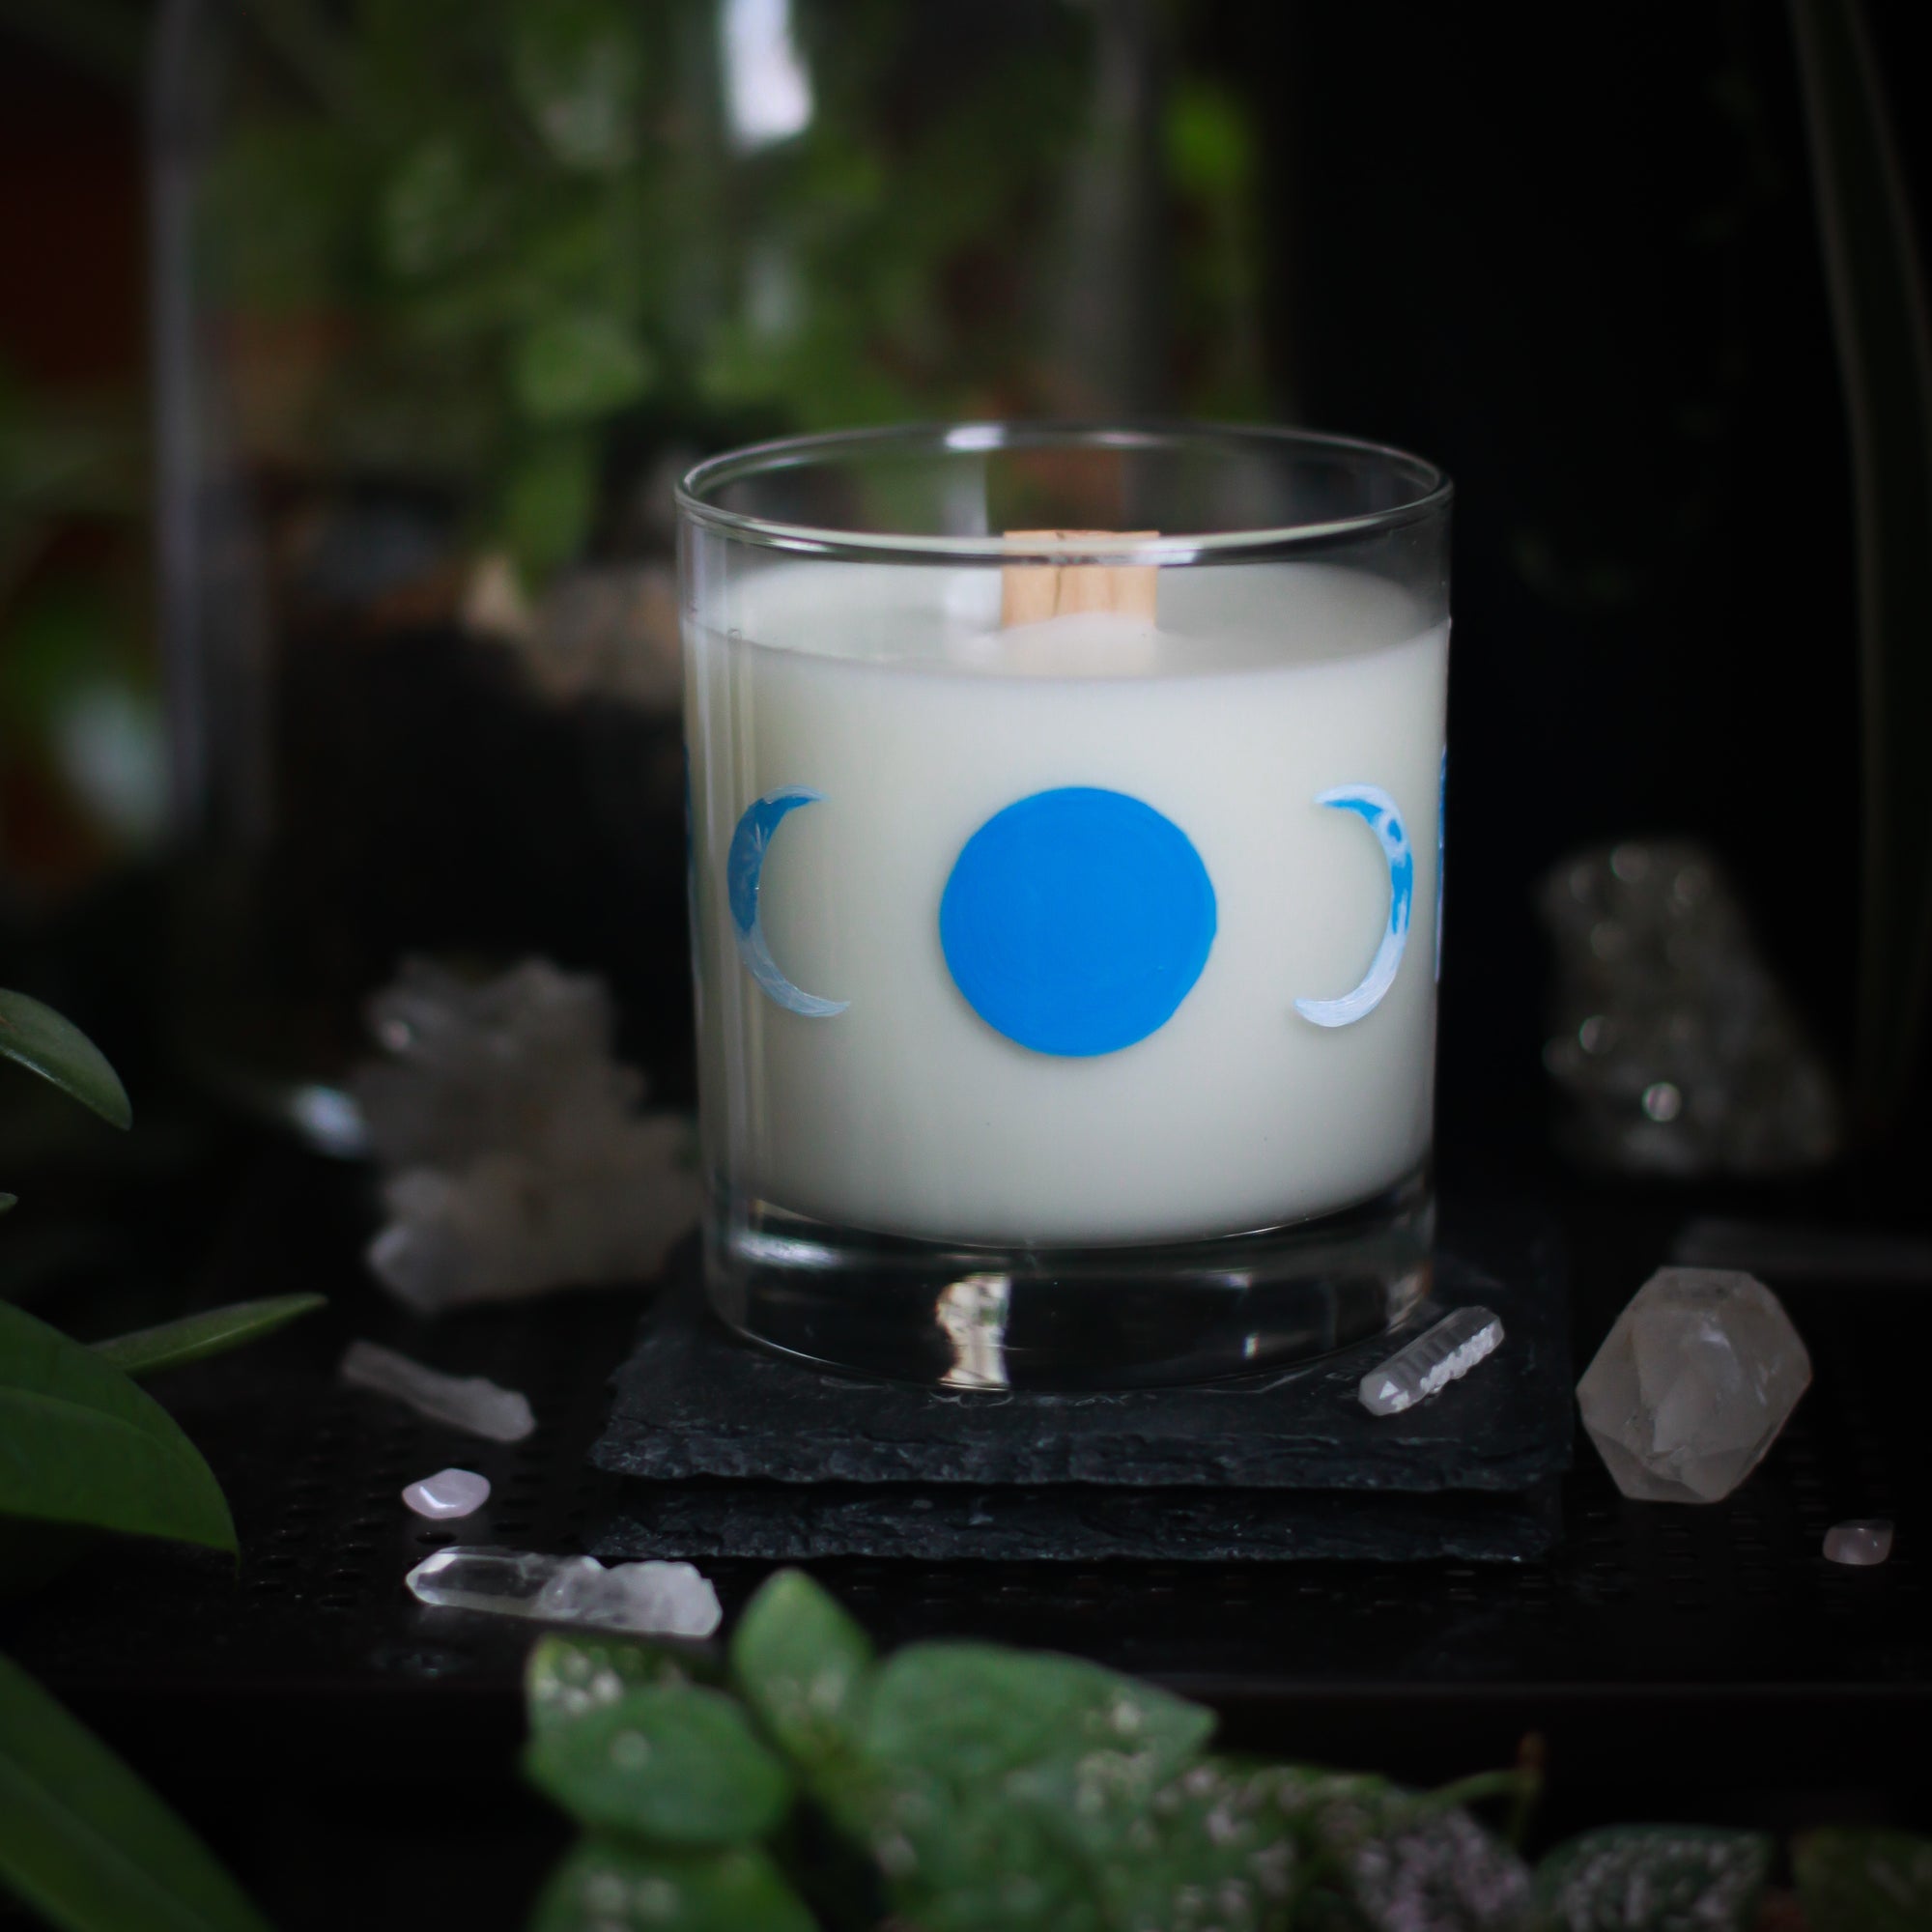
{"x": 1693, "y": 1385}
{"x": 1438, "y": 1357}
{"x": 646, "y": 1599}
{"x": 516, "y": 1160}
{"x": 1670, "y": 1039}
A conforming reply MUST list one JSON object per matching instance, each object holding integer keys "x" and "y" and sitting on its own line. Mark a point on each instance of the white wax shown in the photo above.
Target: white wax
{"x": 892, "y": 690}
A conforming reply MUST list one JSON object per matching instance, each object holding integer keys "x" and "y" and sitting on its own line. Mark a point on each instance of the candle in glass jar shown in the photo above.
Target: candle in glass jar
{"x": 917, "y": 833}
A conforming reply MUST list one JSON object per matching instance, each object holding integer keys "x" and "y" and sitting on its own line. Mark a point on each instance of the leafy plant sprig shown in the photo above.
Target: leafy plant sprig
{"x": 84, "y": 1450}
{"x": 960, "y": 1786}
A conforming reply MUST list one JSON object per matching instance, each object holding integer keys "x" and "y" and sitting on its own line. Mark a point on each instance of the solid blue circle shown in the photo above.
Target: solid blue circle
{"x": 1075, "y": 921}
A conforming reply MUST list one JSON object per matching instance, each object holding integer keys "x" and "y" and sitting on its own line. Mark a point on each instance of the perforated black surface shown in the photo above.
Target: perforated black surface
{"x": 1646, "y": 1625}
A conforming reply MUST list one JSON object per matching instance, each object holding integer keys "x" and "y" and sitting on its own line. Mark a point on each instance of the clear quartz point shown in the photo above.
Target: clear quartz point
{"x": 646, "y": 1599}
{"x": 1693, "y": 1385}
{"x": 472, "y": 1402}
{"x": 1861, "y": 1545}
{"x": 449, "y": 1492}
{"x": 1435, "y": 1358}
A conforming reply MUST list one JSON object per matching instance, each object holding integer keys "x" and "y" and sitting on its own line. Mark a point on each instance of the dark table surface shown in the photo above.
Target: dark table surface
{"x": 354, "y": 1753}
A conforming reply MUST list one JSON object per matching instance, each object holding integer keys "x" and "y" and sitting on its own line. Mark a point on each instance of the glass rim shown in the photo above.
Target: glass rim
{"x": 1432, "y": 493}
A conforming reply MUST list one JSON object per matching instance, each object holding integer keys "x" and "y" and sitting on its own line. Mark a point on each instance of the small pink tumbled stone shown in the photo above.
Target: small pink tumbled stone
{"x": 1861, "y": 1545}
{"x": 448, "y": 1492}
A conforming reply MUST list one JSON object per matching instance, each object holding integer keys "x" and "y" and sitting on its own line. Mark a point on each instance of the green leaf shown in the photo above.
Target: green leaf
{"x": 670, "y": 1763}
{"x": 1654, "y": 1878}
{"x": 972, "y": 1711}
{"x": 80, "y": 1444}
{"x": 1864, "y": 1881}
{"x": 549, "y": 499}
{"x": 86, "y": 1843}
{"x": 985, "y": 1867}
{"x": 606, "y": 1886}
{"x": 994, "y": 1781}
{"x": 8, "y": 1202}
{"x": 579, "y": 365}
{"x": 194, "y": 1337}
{"x": 568, "y": 1677}
{"x": 1216, "y": 1845}
{"x": 57, "y": 1050}
{"x": 803, "y": 1667}
{"x": 1384, "y": 1860}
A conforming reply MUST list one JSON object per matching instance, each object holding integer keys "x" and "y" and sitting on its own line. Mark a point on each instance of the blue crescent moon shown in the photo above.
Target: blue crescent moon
{"x": 1383, "y": 817}
{"x": 744, "y": 869}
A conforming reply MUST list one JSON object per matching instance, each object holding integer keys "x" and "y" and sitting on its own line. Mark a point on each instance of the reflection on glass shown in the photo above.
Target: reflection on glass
{"x": 973, "y": 1312}
{"x": 767, "y": 90}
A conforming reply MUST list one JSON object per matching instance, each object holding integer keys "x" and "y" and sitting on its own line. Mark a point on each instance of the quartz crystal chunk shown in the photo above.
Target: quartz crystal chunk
{"x": 646, "y": 1599}
{"x": 1861, "y": 1545}
{"x": 449, "y": 1492}
{"x": 472, "y": 1402}
{"x": 515, "y": 1156}
{"x": 1671, "y": 1040}
{"x": 1693, "y": 1385}
{"x": 1434, "y": 1359}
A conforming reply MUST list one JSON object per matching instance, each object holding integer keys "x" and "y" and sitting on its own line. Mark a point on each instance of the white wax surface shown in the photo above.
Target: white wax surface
{"x": 892, "y": 690}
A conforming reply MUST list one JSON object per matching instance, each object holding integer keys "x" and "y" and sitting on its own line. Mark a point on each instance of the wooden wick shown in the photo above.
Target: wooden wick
{"x": 1034, "y": 589}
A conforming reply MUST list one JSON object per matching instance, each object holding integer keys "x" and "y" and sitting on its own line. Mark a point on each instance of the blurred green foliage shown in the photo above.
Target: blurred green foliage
{"x": 536, "y": 221}
{"x": 519, "y": 250}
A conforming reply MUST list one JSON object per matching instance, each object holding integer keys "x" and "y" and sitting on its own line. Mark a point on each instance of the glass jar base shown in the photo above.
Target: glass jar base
{"x": 958, "y": 1314}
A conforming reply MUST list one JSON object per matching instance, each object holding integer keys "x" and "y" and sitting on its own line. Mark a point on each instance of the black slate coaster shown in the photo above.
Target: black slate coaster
{"x": 791, "y": 1522}
{"x": 693, "y": 1401}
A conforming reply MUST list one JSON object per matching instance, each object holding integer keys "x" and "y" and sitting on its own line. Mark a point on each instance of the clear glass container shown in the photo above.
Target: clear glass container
{"x": 1065, "y": 859}
{"x": 448, "y": 294}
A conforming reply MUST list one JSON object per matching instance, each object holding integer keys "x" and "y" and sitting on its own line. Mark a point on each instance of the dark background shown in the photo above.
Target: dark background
{"x": 1569, "y": 256}
{"x": 1574, "y": 256}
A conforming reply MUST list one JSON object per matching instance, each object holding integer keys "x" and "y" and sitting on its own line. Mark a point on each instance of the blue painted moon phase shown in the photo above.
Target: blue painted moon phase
{"x": 1383, "y": 817}
{"x": 744, "y": 873}
{"x": 1075, "y": 921}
